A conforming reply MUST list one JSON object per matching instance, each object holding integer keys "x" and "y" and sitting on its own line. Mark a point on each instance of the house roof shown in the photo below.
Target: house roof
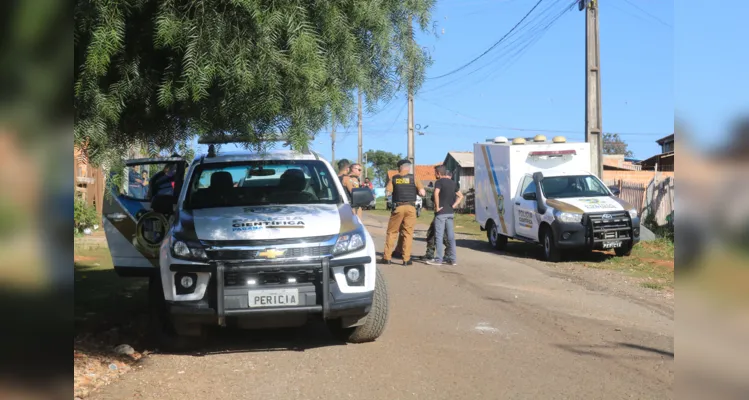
{"x": 652, "y": 160}
{"x": 463, "y": 158}
{"x": 665, "y": 139}
{"x": 421, "y": 173}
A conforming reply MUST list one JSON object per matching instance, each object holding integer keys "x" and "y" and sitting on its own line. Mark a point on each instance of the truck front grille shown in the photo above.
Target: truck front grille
{"x": 609, "y": 226}
{"x": 244, "y": 277}
{"x": 288, "y": 253}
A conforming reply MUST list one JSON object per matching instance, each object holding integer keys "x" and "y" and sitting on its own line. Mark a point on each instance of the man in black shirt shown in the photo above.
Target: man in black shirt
{"x": 446, "y": 198}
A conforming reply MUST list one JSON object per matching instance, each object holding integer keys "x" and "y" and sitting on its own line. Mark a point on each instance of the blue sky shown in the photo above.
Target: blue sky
{"x": 540, "y": 86}
{"x": 647, "y": 76}
{"x": 712, "y": 67}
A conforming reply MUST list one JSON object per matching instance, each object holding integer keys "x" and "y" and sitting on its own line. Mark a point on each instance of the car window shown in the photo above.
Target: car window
{"x": 146, "y": 180}
{"x": 573, "y": 186}
{"x": 260, "y": 182}
{"x": 531, "y": 188}
{"x": 527, "y": 180}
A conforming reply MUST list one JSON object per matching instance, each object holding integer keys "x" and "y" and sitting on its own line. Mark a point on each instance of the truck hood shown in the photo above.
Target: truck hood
{"x": 588, "y": 204}
{"x": 271, "y": 222}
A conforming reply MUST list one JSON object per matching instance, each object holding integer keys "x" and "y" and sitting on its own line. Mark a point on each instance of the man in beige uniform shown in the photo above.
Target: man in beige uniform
{"x": 353, "y": 182}
{"x": 404, "y": 188}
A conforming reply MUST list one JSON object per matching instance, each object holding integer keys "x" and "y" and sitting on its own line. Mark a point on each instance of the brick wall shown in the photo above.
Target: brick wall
{"x": 643, "y": 177}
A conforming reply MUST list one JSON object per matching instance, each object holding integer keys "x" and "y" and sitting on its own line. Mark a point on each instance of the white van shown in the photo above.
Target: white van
{"x": 541, "y": 192}
{"x": 249, "y": 240}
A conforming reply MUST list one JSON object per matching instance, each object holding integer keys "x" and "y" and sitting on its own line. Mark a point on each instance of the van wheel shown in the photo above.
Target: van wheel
{"x": 496, "y": 239}
{"x": 375, "y": 322}
{"x": 551, "y": 252}
{"x": 162, "y": 332}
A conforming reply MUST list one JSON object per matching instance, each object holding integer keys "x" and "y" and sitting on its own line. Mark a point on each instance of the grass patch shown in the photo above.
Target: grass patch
{"x": 721, "y": 277}
{"x": 652, "y": 285}
{"x": 464, "y": 223}
{"x": 651, "y": 261}
{"x": 101, "y": 296}
{"x": 109, "y": 311}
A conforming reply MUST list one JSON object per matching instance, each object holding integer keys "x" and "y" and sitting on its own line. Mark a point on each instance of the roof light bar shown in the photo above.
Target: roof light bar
{"x": 553, "y": 153}
{"x": 238, "y": 139}
{"x": 214, "y": 140}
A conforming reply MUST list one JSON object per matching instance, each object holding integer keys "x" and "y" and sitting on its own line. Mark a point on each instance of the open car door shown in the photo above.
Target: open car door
{"x": 133, "y": 229}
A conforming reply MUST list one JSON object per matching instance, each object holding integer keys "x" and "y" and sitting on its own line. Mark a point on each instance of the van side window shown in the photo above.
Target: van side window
{"x": 531, "y": 188}
{"x": 527, "y": 181}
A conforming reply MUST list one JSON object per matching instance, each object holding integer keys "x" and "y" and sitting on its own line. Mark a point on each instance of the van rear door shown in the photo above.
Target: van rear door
{"x": 133, "y": 230}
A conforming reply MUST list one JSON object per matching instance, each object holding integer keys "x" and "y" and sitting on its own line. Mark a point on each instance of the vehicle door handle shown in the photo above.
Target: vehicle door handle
{"x": 517, "y": 203}
{"x": 117, "y": 217}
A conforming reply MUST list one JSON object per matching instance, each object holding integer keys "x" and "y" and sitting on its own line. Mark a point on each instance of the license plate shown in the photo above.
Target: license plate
{"x": 273, "y": 298}
{"x": 612, "y": 245}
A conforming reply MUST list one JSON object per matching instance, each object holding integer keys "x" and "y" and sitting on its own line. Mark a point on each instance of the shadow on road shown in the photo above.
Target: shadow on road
{"x": 314, "y": 334}
{"x": 599, "y": 351}
{"x": 524, "y": 250}
{"x": 110, "y": 310}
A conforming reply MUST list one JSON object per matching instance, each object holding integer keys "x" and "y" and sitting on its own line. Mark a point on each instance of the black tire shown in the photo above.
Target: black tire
{"x": 375, "y": 322}
{"x": 162, "y": 332}
{"x": 624, "y": 251}
{"x": 496, "y": 239}
{"x": 551, "y": 252}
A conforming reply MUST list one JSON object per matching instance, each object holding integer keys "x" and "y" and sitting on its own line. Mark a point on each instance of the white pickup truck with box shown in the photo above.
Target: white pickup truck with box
{"x": 542, "y": 192}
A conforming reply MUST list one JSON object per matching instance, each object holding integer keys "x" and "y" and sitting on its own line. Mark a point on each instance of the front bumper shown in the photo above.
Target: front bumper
{"x": 221, "y": 300}
{"x": 576, "y": 235}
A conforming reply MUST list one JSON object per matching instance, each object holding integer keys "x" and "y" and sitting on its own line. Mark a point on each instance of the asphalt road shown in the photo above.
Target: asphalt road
{"x": 493, "y": 327}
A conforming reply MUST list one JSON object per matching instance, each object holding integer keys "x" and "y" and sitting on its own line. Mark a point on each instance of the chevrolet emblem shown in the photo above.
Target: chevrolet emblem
{"x": 271, "y": 253}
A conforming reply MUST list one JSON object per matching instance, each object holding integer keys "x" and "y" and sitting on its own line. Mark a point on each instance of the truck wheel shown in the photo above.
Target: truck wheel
{"x": 162, "y": 332}
{"x": 375, "y": 322}
{"x": 551, "y": 252}
{"x": 624, "y": 251}
{"x": 496, "y": 239}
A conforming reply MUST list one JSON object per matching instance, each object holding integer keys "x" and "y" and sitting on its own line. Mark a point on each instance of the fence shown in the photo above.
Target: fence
{"x": 631, "y": 192}
{"x": 655, "y": 198}
{"x": 659, "y": 201}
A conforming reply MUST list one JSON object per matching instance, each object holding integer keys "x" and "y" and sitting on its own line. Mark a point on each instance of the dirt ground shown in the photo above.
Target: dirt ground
{"x": 495, "y": 326}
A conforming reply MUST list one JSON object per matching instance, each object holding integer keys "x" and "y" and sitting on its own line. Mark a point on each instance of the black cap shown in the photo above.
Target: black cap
{"x": 401, "y": 162}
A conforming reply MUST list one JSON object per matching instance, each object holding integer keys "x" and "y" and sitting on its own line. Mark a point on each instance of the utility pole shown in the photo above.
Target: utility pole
{"x": 364, "y": 165}
{"x": 332, "y": 144}
{"x": 359, "y": 160}
{"x": 593, "y": 123}
{"x": 411, "y": 156}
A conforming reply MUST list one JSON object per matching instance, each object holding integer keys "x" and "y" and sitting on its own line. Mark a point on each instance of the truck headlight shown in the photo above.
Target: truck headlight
{"x": 182, "y": 250}
{"x": 633, "y": 213}
{"x": 568, "y": 217}
{"x": 349, "y": 242}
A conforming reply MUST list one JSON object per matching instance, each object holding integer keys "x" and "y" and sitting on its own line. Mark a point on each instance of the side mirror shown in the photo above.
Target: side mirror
{"x": 164, "y": 204}
{"x": 615, "y": 190}
{"x": 530, "y": 196}
{"x": 361, "y": 197}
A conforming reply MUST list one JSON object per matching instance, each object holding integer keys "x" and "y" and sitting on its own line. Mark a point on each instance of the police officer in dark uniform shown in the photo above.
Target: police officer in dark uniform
{"x": 404, "y": 188}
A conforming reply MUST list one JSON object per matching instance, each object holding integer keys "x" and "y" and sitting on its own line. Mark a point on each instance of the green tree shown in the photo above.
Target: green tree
{"x": 382, "y": 161}
{"x": 613, "y": 144}
{"x": 156, "y": 72}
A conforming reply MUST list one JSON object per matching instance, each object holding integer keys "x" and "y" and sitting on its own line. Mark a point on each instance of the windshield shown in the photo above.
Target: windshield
{"x": 573, "y": 186}
{"x": 260, "y": 183}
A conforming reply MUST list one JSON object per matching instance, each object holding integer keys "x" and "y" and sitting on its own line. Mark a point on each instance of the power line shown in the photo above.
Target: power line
{"x": 526, "y": 41}
{"x": 499, "y": 127}
{"x": 491, "y": 47}
{"x": 647, "y": 13}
